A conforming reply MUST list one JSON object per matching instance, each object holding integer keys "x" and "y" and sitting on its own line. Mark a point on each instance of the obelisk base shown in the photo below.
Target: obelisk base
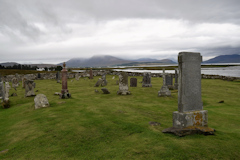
{"x": 187, "y": 123}
{"x": 64, "y": 94}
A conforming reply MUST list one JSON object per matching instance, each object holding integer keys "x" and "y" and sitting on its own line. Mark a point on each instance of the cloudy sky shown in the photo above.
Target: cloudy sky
{"x": 52, "y": 31}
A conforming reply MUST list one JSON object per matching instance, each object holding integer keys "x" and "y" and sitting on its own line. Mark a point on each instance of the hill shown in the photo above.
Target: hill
{"x": 95, "y": 61}
{"x": 6, "y": 64}
{"x": 234, "y": 58}
{"x": 106, "y": 60}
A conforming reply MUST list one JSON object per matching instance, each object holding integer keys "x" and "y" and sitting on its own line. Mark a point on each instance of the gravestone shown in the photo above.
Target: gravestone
{"x": 23, "y": 82}
{"x": 133, "y": 82}
{"x": 105, "y": 91}
{"x": 18, "y": 77}
{"x": 6, "y": 102}
{"x": 2, "y": 92}
{"x": 169, "y": 81}
{"x": 90, "y": 74}
{"x": 146, "y": 82}
{"x": 190, "y": 117}
{"x": 29, "y": 88}
{"x": 123, "y": 84}
{"x": 164, "y": 91}
{"x": 41, "y": 101}
{"x": 176, "y": 79}
{"x": 99, "y": 82}
{"x": 39, "y": 76}
{"x": 14, "y": 83}
{"x": 58, "y": 77}
{"x": 104, "y": 81}
{"x": 6, "y": 94}
{"x": 64, "y": 92}
{"x": 77, "y": 78}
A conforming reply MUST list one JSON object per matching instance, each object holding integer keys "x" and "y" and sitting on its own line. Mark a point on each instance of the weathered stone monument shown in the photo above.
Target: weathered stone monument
{"x": 41, "y": 101}
{"x": 23, "y": 82}
{"x": 133, "y": 82}
{"x": 123, "y": 84}
{"x": 146, "y": 82}
{"x": 90, "y": 74}
{"x": 14, "y": 83}
{"x": 176, "y": 79}
{"x": 190, "y": 117}
{"x": 169, "y": 81}
{"x": 64, "y": 92}
{"x": 105, "y": 91}
{"x": 29, "y": 88}
{"x": 1, "y": 88}
{"x": 7, "y": 88}
{"x": 58, "y": 76}
{"x": 6, "y": 102}
{"x": 104, "y": 81}
{"x": 164, "y": 91}
{"x": 99, "y": 82}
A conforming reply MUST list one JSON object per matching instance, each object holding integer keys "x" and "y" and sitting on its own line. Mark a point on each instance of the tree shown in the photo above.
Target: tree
{"x": 58, "y": 68}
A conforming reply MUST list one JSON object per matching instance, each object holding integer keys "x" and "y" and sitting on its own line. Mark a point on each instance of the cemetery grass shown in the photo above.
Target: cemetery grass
{"x": 109, "y": 126}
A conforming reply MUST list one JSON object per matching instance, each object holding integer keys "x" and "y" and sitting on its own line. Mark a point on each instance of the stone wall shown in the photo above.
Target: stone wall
{"x": 9, "y": 78}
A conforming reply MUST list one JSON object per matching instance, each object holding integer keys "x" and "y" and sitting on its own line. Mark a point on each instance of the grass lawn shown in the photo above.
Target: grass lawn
{"x": 109, "y": 126}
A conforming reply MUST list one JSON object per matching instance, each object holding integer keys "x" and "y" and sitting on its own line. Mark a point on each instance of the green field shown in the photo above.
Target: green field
{"x": 99, "y": 126}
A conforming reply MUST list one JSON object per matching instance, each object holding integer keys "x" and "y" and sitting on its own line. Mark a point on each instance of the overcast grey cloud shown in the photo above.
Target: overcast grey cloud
{"x": 44, "y": 31}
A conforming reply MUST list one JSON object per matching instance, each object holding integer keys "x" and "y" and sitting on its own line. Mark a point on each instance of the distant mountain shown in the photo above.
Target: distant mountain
{"x": 234, "y": 58}
{"x": 95, "y": 61}
{"x": 167, "y": 61}
{"x": 145, "y": 60}
{"x": 104, "y": 61}
{"x": 154, "y": 62}
{"x": 6, "y": 64}
{"x": 74, "y": 62}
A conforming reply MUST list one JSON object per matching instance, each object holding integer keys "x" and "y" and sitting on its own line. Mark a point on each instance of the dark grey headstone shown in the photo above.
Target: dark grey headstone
{"x": 133, "y": 82}
{"x": 164, "y": 91}
{"x": 146, "y": 82}
{"x": 58, "y": 75}
{"x": 176, "y": 79}
{"x": 39, "y": 75}
{"x": 169, "y": 81}
{"x": 105, "y": 91}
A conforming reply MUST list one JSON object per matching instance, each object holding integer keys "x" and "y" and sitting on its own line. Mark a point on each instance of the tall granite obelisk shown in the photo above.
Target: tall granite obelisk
{"x": 190, "y": 117}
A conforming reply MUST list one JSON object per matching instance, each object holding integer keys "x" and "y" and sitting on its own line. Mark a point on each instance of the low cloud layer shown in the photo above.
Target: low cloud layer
{"x": 33, "y": 31}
